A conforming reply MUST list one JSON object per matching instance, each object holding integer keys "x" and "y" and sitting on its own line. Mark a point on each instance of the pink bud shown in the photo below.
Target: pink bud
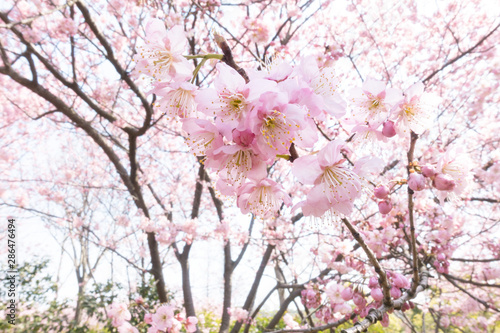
{"x": 359, "y": 300}
{"x": 148, "y": 318}
{"x": 385, "y": 320}
{"x": 377, "y": 294}
{"x": 347, "y": 294}
{"x": 381, "y": 191}
{"x": 428, "y": 171}
{"x": 400, "y": 281}
{"x": 441, "y": 257}
{"x": 405, "y": 306}
{"x": 444, "y": 182}
{"x": 416, "y": 182}
{"x": 395, "y": 292}
{"x": 384, "y": 207}
{"x": 373, "y": 283}
{"x": 389, "y": 130}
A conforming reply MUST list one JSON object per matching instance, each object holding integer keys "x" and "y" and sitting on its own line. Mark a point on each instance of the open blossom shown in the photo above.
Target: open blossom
{"x": 263, "y": 198}
{"x": 334, "y": 293}
{"x": 275, "y": 124}
{"x": 127, "y": 328}
{"x": 162, "y": 57}
{"x": 457, "y": 165}
{"x": 373, "y": 101}
{"x": 119, "y": 314}
{"x": 191, "y": 324}
{"x": 231, "y": 99}
{"x": 164, "y": 319}
{"x": 416, "y": 111}
{"x": 335, "y": 186}
{"x": 177, "y": 99}
{"x": 203, "y": 137}
{"x": 323, "y": 84}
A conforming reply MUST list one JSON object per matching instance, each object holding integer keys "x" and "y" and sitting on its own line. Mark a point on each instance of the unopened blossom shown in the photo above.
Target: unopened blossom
{"x": 335, "y": 185}
{"x": 289, "y": 322}
{"x": 428, "y": 171}
{"x": 385, "y": 207}
{"x": 388, "y": 129}
{"x": 161, "y": 57}
{"x": 263, "y": 198}
{"x": 372, "y": 102}
{"x": 444, "y": 182}
{"x": 377, "y": 294}
{"x": 416, "y": 111}
{"x": 347, "y": 294}
{"x": 416, "y": 181}
{"x": 381, "y": 191}
{"x": 177, "y": 99}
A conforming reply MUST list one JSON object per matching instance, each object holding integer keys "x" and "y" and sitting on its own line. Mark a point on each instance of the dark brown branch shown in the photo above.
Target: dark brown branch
{"x": 382, "y": 276}
{"x": 228, "y": 56}
{"x": 413, "y": 243}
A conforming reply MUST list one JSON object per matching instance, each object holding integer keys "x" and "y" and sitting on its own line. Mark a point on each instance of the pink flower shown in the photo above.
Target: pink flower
{"x": 334, "y": 293}
{"x": 263, "y": 198}
{"x": 373, "y": 101}
{"x": 275, "y": 124}
{"x": 323, "y": 84}
{"x": 119, "y": 313}
{"x": 177, "y": 99}
{"x": 416, "y": 111}
{"x": 416, "y": 182}
{"x": 191, "y": 324}
{"x": 395, "y": 293}
{"x": 231, "y": 99}
{"x": 457, "y": 165}
{"x": 335, "y": 186}
{"x": 203, "y": 138}
{"x": 162, "y": 57}
{"x": 126, "y": 327}
{"x": 163, "y": 318}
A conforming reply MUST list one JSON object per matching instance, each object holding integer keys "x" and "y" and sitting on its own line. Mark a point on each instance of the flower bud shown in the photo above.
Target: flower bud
{"x": 428, "y": 171}
{"x": 381, "y": 191}
{"x": 377, "y": 294}
{"x": 441, "y": 257}
{"x": 389, "y": 130}
{"x": 384, "y": 207}
{"x": 347, "y": 294}
{"x": 416, "y": 182}
{"x": 373, "y": 282}
{"x": 395, "y": 292}
{"x": 444, "y": 182}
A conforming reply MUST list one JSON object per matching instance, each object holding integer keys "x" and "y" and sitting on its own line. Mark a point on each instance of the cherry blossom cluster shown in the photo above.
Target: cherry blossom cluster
{"x": 239, "y": 127}
{"x": 166, "y": 319}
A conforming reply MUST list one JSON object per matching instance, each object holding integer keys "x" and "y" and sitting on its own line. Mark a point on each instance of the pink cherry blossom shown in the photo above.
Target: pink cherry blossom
{"x": 162, "y": 57}
{"x": 389, "y": 130}
{"x": 336, "y": 186}
{"x": 373, "y": 101}
{"x": 385, "y": 207}
{"x": 191, "y": 324}
{"x": 263, "y": 198}
{"x": 416, "y": 111}
{"x": 381, "y": 191}
{"x": 119, "y": 313}
{"x": 177, "y": 99}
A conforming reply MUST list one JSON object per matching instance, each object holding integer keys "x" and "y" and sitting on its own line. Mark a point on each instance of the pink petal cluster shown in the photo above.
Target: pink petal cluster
{"x": 335, "y": 185}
